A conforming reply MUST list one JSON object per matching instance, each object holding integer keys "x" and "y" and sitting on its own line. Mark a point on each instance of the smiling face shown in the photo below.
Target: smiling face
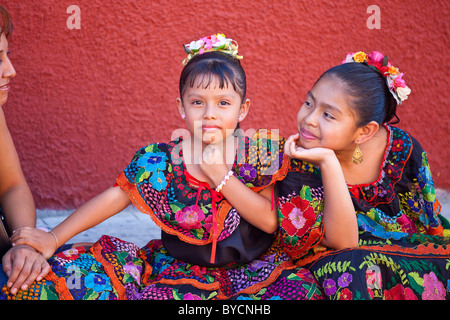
{"x": 326, "y": 118}
{"x": 211, "y": 112}
{"x": 6, "y": 69}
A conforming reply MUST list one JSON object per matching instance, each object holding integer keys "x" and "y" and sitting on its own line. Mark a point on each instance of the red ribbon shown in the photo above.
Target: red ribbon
{"x": 216, "y": 197}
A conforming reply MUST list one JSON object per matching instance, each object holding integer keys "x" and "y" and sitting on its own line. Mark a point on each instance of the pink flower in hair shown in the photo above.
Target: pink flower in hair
{"x": 399, "y": 82}
{"x": 376, "y": 56}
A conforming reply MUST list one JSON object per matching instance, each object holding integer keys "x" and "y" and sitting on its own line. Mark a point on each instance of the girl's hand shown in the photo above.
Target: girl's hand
{"x": 23, "y": 265}
{"x": 317, "y": 155}
{"x": 212, "y": 163}
{"x": 42, "y": 241}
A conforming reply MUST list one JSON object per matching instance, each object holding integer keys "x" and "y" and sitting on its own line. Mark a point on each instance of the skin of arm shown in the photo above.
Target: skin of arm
{"x": 339, "y": 217}
{"x": 105, "y": 205}
{"x": 22, "y": 264}
{"x": 254, "y": 207}
{"x": 15, "y": 195}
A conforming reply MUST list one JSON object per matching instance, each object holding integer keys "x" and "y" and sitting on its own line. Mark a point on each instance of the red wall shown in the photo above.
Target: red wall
{"x": 85, "y": 100}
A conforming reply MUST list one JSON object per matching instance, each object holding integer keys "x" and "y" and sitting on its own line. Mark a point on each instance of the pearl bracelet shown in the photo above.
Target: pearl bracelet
{"x": 224, "y": 181}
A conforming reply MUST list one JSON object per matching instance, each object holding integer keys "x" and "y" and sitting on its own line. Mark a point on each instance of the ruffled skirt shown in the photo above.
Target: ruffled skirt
{"x": 397, "y": 266}
{"x": 113, "y": 269}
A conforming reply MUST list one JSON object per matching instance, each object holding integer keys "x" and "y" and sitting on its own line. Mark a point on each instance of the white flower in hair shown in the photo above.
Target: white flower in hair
{"x": 195, "y": 45}
{"x": 220, "y": 40}
{"x": 403, "y": 92}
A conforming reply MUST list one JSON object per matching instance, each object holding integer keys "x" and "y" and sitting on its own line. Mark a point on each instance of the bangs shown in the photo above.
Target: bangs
{"x": 6, "y": 25}
{"x": 208, "y": 74}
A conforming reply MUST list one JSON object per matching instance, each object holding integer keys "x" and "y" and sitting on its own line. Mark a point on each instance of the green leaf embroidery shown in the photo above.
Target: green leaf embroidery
{"x": 416, "y": 282}
{"x": 49, "y": 293}
{"x": 91, "y": 295}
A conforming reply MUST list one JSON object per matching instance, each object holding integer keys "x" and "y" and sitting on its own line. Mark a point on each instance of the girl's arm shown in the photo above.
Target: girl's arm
{"x": 339, "y": 217}
{"x": 105, "y": 205}
{"x": 254, "y": 207}
{"x": 22, "y": 264}
{"x": 16, "y": 199}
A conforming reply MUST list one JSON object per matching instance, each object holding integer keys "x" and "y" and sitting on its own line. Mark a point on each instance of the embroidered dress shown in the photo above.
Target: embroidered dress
{"x": 404, "y": 247}
{"x": 207, "y": 250}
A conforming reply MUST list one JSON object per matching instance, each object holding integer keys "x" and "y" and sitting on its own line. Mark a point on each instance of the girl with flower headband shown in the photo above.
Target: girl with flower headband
{"x": 216, "y": 217}
{"x": 383, "y": 209}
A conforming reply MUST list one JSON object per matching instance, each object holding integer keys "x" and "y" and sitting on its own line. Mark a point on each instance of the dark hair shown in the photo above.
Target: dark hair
{"x": 214, "y": 64}
{"x": 370, "y": 95}
{"x": 6, "y": 25}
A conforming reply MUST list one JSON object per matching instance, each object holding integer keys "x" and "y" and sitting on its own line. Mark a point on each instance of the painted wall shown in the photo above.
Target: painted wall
{"x": 84, "y": 100}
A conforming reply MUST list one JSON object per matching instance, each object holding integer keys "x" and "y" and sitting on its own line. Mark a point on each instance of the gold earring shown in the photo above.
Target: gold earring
{"x": 357, "y": 157}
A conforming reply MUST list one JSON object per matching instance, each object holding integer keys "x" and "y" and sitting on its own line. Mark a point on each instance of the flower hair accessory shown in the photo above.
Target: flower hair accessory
{"x": 380, "y": 63}
{"x": 215, "y": 42}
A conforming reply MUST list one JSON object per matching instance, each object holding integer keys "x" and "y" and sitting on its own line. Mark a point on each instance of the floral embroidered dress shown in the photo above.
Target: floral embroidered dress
{"x": 404, "y": 246}
{"x": 207, "y": 250}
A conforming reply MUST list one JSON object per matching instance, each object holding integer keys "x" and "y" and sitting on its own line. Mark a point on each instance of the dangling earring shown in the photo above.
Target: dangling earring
{"x": 357, "y": 157}
{"x": 183, "y": 116}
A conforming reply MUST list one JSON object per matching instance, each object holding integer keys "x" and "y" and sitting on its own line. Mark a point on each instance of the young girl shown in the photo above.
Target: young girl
{"x": 344, "y": 134}
{"x": 216, "y": 216}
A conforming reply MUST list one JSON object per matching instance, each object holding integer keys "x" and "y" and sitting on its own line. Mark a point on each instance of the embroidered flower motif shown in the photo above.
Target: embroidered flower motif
{"x": 399, "y": 293}
{"x": 134, "y": 271}
{"x": 397, "y": 145}
{"x": 74, "y": 253}
{"x": 248, "y": 172}
{"x": 329, "y": 286}
{"x": 191, "y": 296}
{"x": 434, "y": 289}
{"x": 297, "y": 219}
{"x": 345, "y": 279}
{"x": 346, "y": 294}
{"x": 190, "y": 217}
{"x": 308, "y": 167}
{"x": 158, "y": 180}
{"x": 298, "y": 216}
{"x": 152, "y": 161}
{"x": 98, "y": 283}
{"x": 208, "y": 223}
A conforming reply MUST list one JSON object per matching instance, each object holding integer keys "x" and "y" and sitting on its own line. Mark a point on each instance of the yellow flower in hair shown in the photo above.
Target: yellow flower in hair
{"x": 360, "y": 57}
{"x": 393, "y": 70}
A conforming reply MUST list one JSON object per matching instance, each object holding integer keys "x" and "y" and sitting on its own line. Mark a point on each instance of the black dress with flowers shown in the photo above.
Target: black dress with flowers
{"x": 208, "y": 251}
{"x": 404, "y": 246}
